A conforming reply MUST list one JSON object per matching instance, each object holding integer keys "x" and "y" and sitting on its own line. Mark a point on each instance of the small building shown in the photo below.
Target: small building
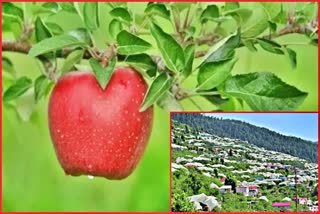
{"x": 259, "y": 179}
{"x": 283, "y": 178}
{"x": 189, "y": 165}
{"x": 281, "y": 205}
{"x": 243, "y": 189}
{"x": 178, "y": 147}
{"x": 253, "y": 190}
{"x": 301, "y": 200}
{"x": 313, "y": 208}
{"x": 291, "y": 185}
{"x": 226, "y": 188}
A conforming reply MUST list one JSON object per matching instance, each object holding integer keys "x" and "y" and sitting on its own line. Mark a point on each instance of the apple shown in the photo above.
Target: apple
{"x": 99, "y": 132}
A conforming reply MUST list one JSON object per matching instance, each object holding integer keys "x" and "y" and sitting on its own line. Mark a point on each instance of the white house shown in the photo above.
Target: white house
{"x": 225, "y": 189}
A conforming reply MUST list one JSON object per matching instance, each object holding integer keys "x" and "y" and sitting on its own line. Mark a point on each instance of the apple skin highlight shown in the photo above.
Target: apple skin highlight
{"x": 99, "y": 132}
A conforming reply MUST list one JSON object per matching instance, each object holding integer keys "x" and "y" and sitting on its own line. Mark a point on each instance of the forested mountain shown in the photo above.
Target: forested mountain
{"x": 255, "y": 135}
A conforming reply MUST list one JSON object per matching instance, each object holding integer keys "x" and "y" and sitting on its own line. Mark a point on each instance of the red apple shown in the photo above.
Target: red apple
{"x": 99, "y": 132}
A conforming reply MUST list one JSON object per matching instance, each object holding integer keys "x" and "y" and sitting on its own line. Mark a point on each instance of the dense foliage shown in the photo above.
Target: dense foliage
{"x": 258, "y": 136}
{"x": 167, "y": 43}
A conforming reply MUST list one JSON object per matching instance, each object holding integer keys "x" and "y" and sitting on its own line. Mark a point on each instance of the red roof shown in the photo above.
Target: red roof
{"x": 303, "y": 198}
{"x": 188, "y": 164}
{"x": 222, "y": 179}
{"x": 252, "y": 187}
{"x": 281, "y": 204}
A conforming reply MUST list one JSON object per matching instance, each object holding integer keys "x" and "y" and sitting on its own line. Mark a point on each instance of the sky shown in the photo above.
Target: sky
{"x": 303, "y": 125}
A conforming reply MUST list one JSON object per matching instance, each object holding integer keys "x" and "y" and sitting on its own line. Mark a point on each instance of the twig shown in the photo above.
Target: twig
{"x": 185, "y": 24}
{"x": 208, "y": 39}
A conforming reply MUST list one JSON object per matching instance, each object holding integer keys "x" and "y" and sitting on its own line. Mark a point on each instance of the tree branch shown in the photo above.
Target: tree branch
{"x": 23, "y": 47}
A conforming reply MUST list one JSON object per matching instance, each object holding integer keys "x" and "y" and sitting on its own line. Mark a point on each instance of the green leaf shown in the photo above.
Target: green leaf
{"x": 309, "y": 10}
{"x": 213, "y": 74}
{"x": 25, "y": 106}
{"x": 41, "y": 30}
{"x": 210, "y": 13}
{"x": 264, "y": 91}
{"x": 20, "y": 86}
{"x": 169, "y": 103}
{"x": 272, "y": 8}
{"x": 51, "y": 6}
{"x": 72, "y": 59}
{"x": 91, "y": 15}
{"x": 314, "y": 42}
{"x": 292, "y": 57}
{"x": 130, "y": 44}
{"x": 241, "y": 15}
{"x": 281, "y": 18}
{"x": 231, "y": 6}
{"x": 11, "y": 9}
{"x": 55, "y": 43}
{"x": 143, "y": 61}
{"x": 7, "y": 66}
{"x": 82, "y": 34}
{"x": 68, "y": 7}
{"x": 216, "y": 99}
{"x": 250, "y": 45}
{"x": 270, "y": 46}
{"x": 158, "y": 9}
{"x": 152, "y": 72}
{"x": 181, "y": 6}
{"x": 12, "y": 24}
{"x": 158, "y": 87}
{"x": 117, "y": 4}
{"x": 170, "y": 49}
{"x": 54, "y": 28}
{"x": 115, "y": 27}
{"x": 256, "y": 25}
{"x": 189, "y": 56}
{"x": 272, "y": 26}
{"x": 224, "y": 49}
{"x": 103, "y": 75}
{"x": 122, "y": 14}
{"x": 40, "y": 87}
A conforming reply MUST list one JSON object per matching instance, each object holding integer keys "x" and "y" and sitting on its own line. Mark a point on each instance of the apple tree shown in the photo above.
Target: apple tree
{"x": 168, "y": 44}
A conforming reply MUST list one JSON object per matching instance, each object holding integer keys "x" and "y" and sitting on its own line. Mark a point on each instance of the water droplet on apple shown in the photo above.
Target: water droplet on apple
{"x": 90, "y": 177}
{"x": 58, "y": 130}
{"x": 62, "y": 136}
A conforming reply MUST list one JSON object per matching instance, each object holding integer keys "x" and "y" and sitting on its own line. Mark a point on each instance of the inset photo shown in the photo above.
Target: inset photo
{"x": 232, "y": 162}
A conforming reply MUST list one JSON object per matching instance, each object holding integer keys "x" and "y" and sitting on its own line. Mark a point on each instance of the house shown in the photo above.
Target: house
{"x": 225, "y": 189}
{"x": 313, "y": 208}
{"x": 243, "y": 189}
{"x": 200, "y": 200}
{"x": 178, "y": 148}
{"x": 281, "y": 205}
{"x": 291, "y": 184}
{"x": 253, "y": 190}
{"x": 189, "y": 165}
{"x": 301, "y": 200}
{"x": 283, "y": 178}
{"x": 259, "y": 179}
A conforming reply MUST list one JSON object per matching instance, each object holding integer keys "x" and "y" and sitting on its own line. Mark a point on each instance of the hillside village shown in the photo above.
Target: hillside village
{"x": 211, "y": 173}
